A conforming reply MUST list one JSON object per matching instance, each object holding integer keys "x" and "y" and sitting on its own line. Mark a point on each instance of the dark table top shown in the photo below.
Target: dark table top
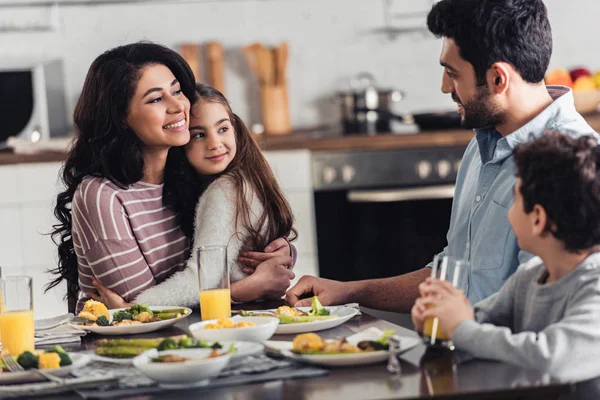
{"x": 426, "y": 372}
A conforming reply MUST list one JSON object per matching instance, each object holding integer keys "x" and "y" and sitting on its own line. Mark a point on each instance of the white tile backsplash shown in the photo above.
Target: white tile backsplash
{"x": 46, "y": 304}
{"x": 37, "y": 245}
{"x": 38, "y": 182}
{"x": 11, "y": 255}
{"x": 8, "y": 179}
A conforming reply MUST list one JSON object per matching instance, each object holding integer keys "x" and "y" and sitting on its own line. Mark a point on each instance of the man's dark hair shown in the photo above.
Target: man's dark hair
{"x": 562, "y": 174}
{"x": 487, "y": 31}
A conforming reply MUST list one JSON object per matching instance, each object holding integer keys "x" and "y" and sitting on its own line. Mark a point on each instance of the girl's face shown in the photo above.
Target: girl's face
{"x": 159, "y": 111}
{"x": 212, "y": 145}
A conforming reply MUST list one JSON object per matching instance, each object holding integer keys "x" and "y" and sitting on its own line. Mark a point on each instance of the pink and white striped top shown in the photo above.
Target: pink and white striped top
{"x": 127, "y": 239}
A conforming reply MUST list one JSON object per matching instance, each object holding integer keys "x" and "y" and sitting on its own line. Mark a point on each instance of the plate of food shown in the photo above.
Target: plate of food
{"x": 123, "y": 351}
{"x": 138, "y": 318}
{"x": 55, "y": 361}
{"x": 251, "y": 329}
{"x": 182, "y": 368}
{"x": 294, "y": 320}
{"x": 367, "y": 347}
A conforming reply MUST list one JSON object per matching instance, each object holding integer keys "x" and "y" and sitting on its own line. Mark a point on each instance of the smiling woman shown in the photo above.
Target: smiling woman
{"x": 117, "y": 219}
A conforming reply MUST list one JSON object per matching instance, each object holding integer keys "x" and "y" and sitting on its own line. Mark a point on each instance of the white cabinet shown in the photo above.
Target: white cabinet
{"x": 293, "y": 171}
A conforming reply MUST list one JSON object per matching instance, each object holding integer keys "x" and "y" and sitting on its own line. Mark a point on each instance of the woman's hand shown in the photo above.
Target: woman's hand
{"x": 251, "y": 259}
{"x": 446, "y": 303}
{"x": 110, "y": 299}
{"x": 416, "y": 314}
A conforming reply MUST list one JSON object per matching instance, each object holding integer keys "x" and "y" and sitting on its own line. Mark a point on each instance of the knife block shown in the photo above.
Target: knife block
{"x": 275, "y": 109}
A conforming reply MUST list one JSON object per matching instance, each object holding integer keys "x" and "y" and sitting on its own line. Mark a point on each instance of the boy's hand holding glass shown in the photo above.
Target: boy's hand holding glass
{"x": 445, "y": 302}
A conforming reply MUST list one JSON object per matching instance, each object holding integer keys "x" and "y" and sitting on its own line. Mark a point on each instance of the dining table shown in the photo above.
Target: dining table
{"x": 426, "y": 372}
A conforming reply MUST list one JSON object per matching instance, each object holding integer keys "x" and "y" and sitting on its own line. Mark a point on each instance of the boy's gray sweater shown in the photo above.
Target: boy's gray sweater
{"x": 552, "y": 327}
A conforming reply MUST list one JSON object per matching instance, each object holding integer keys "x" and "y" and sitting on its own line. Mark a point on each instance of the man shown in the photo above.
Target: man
{"x": 495, "y": 54}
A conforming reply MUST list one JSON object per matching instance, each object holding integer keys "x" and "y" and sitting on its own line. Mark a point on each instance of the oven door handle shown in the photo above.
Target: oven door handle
{"x": 388, "y": 196}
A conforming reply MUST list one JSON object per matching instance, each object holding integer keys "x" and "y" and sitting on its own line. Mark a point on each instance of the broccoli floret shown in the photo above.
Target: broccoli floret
{"x": 65, "y": 358}
{"x": 201, "y": 344}
{"x": 216, "y": 345}
{"x": 167, "y": 344}
{"x": 102, "y": 321}
{"x": 186, "y": 342}
{"x": 121, "y": 315}
{"x": 28, "y": 360}
{"x": 316, "y": 308}
{"x": 138, "y": 309}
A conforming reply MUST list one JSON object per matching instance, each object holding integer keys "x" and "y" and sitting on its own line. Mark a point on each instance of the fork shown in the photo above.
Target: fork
{"x": 393, "y": 365}
{"x": 14, "y": 366}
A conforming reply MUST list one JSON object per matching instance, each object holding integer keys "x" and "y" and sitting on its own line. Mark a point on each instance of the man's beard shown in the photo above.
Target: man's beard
{"x": 480, "y": 111}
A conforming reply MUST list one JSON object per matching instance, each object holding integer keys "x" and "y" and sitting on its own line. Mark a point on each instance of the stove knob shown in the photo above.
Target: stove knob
{"x": 444, "y": 168}
{"x": 348, "y": 173}
{"x": 329, "y": 175}
{"x": 424, "y": 169}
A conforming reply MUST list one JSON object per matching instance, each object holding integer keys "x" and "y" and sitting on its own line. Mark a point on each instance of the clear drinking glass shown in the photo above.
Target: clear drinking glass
{"x": 16, "y": 314}
{"x": 213, "y": 276}
{"x": 443, "y": 268}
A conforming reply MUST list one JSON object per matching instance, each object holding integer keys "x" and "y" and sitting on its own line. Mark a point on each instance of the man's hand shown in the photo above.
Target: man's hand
{"x": 446, "y": 303}
{"x": 329, "y": 292}
{"x": 110, "y": 299}
{"x": 251, "y": 259}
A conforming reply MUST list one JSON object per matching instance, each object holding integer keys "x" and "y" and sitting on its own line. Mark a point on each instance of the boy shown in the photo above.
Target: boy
{"x": 547, "y": 315}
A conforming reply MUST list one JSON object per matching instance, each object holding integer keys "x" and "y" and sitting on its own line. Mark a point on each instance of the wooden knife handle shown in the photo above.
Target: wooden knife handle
{"x": 214, "y": 55}
{"x": 191, "y": 53}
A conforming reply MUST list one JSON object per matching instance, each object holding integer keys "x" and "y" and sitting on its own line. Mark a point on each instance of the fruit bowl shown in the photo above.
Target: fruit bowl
{"x": 586, "y": 101}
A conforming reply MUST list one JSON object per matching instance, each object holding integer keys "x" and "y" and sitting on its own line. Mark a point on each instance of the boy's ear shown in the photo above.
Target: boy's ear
{"x": 539, "y": 219}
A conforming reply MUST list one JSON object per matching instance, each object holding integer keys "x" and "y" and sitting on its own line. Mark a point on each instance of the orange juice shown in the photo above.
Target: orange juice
{"x": 17, "y": 331}
{"x": 428, "y": 329}
{"x": 215, "y": 303}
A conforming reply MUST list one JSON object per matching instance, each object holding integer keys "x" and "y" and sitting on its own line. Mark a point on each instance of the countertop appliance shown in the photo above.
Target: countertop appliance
{"x": 382, "y": 213}
{"x": 33, "y": 103}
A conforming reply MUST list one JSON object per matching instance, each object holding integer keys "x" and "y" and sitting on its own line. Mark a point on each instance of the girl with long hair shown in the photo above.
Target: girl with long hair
{"x": 120, "y": 221}
{"x": 241, "y": 205}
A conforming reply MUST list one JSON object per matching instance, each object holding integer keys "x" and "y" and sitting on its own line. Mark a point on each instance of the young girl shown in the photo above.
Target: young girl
{"x": 241, "y": 206}
{"x": 118, "y": 222}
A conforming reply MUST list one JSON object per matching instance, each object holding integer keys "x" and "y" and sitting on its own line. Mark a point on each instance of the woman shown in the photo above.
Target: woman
{"x": 118, "y": 218}
{"x": 241, "y": 206}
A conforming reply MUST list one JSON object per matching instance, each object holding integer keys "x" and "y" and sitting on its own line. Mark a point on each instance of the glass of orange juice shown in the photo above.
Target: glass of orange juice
{"x": 213, "y": 276}
{"x": 16, "y": 314}
{"x": 443, "y": 268}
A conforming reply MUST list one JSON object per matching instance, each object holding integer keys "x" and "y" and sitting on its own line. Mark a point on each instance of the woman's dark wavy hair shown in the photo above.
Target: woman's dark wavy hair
{"x": 248, "y": 170}
{"x": 562, "y": 174}
{"x": 488, "y": 31}
{"x": 105, "y": 147}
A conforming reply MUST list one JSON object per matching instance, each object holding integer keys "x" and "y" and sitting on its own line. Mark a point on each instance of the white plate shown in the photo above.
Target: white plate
{"x": 264, "y": 328}
{"x": 79, "y": 360}
{"x": 174, "y": 375}
{"x": 137, "y": 328}
{"x": 341, "y": 314}
{"x": 242, "y": 349}
{"x": 344, "y": 360}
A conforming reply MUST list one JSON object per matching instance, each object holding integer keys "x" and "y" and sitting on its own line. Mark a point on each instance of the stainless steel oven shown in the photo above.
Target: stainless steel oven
{"x": 382, "y": 213}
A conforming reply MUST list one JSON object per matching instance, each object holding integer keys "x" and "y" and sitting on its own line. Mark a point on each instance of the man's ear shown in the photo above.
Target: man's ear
{"x": 539, "y": 219}
{"x": 499, "y": 77}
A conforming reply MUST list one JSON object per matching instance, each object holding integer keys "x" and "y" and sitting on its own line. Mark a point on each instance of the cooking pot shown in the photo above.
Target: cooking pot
{"x": 359, "y": 106}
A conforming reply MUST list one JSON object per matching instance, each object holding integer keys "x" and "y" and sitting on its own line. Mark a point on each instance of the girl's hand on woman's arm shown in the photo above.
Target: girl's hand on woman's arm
{"x": 110, "y": 299}
{"x": 277, "y": 248}
{"x": 270, "y": 280}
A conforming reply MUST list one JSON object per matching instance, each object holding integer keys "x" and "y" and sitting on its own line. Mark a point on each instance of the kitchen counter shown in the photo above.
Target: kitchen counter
{"x": 321, "y": 140}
